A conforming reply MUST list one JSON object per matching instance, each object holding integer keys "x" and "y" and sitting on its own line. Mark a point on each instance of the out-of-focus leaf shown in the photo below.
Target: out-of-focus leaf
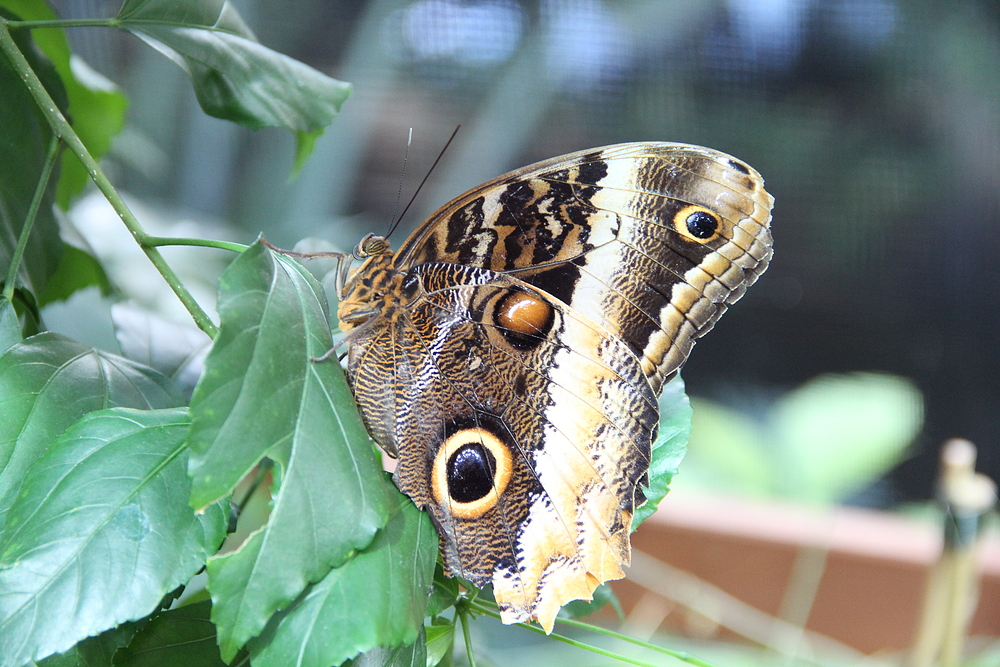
{"x": 669, "y": 447}
{"x": 183, "y": 636}
{"x": 97, "y": 111}
{"x": 77, "y": 269}
{"x": 100, "y": 532}
{"x": 821, "y": 442}
{"x": 377, "y": 598}
{"x": 10, "y": 326}
{"x": 260, "y": 395}
{"x": 24, "y": 145}
{"x": 47, "y": 383}
{"x": 729, "y": 452}
{"x": 839, "y": 433}
{"x": 235, "y": 77}
{"x": 176, "y": 350}
{"x": 27, "y": 311}
{"x": 96, "y": 108}
{"x": 305, "y": 142}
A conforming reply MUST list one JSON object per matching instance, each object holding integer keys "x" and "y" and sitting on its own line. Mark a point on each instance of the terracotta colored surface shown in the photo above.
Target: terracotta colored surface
{"x": 871, "y": 584}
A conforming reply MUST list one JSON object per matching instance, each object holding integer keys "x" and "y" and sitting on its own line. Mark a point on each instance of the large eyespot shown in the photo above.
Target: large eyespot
{"x": 697, "y": 223}
{"x": 471, "y": 472}
{"x": 524, "y": 319}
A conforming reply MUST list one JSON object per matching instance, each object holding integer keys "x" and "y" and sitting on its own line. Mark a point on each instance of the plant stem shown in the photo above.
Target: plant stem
{"x": 157, "y": 241}
{"x": 29, "y": 220}
{"x": 63, "y": 130}
{"x": 680, "y": 655}
{"x": 463, "y": 617}
{"x": 64, "y": 23}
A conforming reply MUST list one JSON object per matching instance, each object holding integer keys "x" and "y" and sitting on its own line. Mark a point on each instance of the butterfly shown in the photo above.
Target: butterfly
{"x": 510, "y": 354}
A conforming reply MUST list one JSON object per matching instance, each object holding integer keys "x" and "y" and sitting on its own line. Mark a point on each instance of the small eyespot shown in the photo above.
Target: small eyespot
{"x": 697, "y": 223}
{"x": 471, "y": 471}
{"x": 524, "y": 319}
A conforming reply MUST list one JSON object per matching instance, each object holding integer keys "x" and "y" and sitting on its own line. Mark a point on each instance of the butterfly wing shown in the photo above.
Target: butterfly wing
{"x": 514, "y": 367}
{"x": 527, "y": 445}
{"x": 653, "y": 241}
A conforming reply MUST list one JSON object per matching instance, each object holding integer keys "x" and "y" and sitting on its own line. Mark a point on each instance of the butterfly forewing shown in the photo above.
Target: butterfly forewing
{"x": 604, "y": 231}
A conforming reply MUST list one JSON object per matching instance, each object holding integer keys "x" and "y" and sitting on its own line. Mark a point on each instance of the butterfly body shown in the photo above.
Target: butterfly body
{"x": 510, "y": 354}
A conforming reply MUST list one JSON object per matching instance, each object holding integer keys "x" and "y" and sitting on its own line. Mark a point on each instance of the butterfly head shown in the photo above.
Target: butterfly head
{"x": 375, "y": 286}
{"x": 371, "y": 245}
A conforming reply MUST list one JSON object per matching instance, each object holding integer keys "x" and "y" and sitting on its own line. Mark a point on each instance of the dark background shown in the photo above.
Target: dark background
{"x": 876, "y": 124}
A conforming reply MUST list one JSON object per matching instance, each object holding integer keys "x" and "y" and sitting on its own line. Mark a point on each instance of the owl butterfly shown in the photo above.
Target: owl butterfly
{"x": 510, "y": 354}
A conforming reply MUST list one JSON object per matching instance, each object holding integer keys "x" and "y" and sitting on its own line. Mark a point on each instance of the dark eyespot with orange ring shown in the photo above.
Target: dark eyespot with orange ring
{"x": 697, "y": 223}
{"x": 471, "y": 471}
{"x": 524, "y": 319}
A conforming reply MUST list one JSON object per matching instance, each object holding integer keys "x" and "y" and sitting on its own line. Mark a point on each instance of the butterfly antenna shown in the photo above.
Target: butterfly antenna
{"x": 402, "y": 173}
{"x": 426, "y": 176}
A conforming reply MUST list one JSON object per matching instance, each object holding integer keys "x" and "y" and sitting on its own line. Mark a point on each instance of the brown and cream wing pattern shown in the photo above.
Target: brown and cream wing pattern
{"x": 510, "y": 354}
{"x": 527, "y": 448}
{"x": 651, "y": 240}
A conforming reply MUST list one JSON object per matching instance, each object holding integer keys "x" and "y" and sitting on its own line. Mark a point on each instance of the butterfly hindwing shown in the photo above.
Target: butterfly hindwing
{"x": 526, "y": 447}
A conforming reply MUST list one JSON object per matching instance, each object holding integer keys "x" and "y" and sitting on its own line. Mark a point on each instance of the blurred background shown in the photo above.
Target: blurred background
{"x": 870, "y": 340}
{"x": 876, "y": 124}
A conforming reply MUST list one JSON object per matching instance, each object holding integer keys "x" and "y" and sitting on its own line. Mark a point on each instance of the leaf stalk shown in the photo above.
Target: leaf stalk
{"x": 29, "y": 220}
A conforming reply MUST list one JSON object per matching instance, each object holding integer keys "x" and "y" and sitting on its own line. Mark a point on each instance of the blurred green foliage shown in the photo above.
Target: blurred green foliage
{"x": 819, "y": 443}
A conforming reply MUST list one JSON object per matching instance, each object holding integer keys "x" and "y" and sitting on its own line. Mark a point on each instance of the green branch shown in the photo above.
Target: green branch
{"x": 62, "y": 129}
{"x": 159, "y": 241}
{"x": 113, "y": 22}
{"x": 29, "y": 220}
{"x": 479, "y": 608}
{"x": 462, "y": 608}
{"x": 64, "y": 23}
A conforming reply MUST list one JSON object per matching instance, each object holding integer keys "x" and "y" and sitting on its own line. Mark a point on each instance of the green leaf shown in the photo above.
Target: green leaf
{"x": 730, "y": 452}
{"x": 440, "y": 638}
{"x": 27, "y": 312}
{"x": 444, "y": 594}
{"x": 96, "y": 108}
{"x": 77, "y": 270}
{"x": 377, "y": 598}
{"x": 96, "y": 651}
{"x": 669, "y": 447}
{"x": 305, "y": 142}
{"x": 47, "y": 383}
{"x": 97, "y": 112}
{"x": 234, "y": 77}
{"x": 260, "y": 395}
{"x": 839, "y": 433}
{"x": 183, "y": 636}
{"x": 24, "y": 144}
{"x": 100, "y": 532}
{"x": 10, "y": 326}
{"x": 603, "y": 595}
